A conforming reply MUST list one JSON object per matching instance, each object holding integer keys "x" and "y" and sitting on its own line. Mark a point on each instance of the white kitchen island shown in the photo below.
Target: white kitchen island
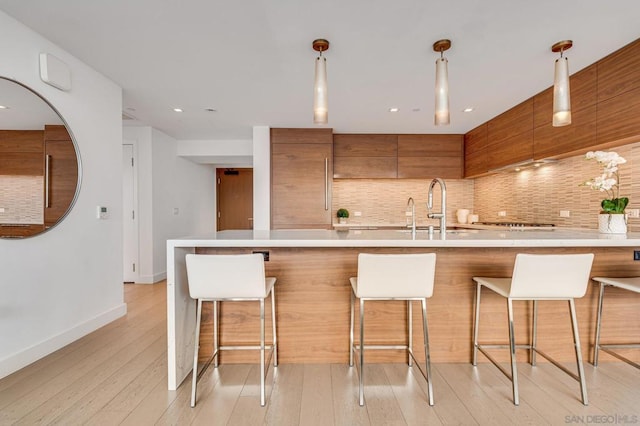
{"x": 313, "y": 266}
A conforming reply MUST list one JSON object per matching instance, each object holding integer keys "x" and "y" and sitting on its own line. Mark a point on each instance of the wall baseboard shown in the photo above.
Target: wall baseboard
{"x": 152, "y": 279}
{"x": 21, "y": 359}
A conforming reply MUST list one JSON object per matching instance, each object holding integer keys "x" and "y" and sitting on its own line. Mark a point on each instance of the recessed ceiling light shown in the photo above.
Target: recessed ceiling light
{"x": 394, "y": 109}
{"x": 130, "y": 109}
{"x": 211, "y": 110}
{"x": 469, "y": 109}
{"x": 177, "y": 109}
{"x": 416, "y": 110}
{"x": 4, "y": 107}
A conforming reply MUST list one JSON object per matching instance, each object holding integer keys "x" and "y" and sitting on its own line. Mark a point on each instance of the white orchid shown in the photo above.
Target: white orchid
{"x": 609, "y": 180}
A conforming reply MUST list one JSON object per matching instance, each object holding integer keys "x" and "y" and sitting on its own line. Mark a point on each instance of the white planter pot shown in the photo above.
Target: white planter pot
{"x": 342, "y": 220}
{"x": 612, "y": 223}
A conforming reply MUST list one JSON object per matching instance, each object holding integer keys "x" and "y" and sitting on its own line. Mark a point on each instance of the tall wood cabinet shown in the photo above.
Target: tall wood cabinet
{"x": 301, "y": 176}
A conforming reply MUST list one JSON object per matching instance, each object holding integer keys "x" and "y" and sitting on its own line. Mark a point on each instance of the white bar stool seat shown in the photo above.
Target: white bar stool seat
{"x": 234, "y": 277}
{"x": 630, "y": 284}
{"x": 406, "y": 277}
{"x": 537, "y": 277}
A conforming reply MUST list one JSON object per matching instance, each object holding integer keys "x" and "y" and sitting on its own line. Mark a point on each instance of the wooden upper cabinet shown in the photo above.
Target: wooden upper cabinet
{"x": 430, "y": 156}
{"x": 619, "y": 119}
{"x": 574, "y": 139}
{"x": 475, "y": 151}
{"x": 618, "y": 114}
{"x": 515, "y": 121}
{"x": 619, "y": 72}
{"x": 21, "y": 152}
{"x": 510, "y": 136}
{"x": 301, "y": 169}
{"x": 365, "y": 156}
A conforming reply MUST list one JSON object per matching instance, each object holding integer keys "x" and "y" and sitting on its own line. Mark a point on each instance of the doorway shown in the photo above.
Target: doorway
{"x": 129, "y": 215}
{"x": 234, "y": 199}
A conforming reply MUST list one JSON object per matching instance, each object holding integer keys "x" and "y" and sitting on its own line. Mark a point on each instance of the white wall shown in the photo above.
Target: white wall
{"x": 183, "y": 185}
{"x": 167, "y": 182}
{"x": 67, "y": 282}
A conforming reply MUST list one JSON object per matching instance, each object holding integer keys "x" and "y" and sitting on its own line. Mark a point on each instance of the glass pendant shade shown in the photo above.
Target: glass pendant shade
{"x": 320, "y": 101}
{"x": 561, "y": 95}
{"x": 442, "y": 93}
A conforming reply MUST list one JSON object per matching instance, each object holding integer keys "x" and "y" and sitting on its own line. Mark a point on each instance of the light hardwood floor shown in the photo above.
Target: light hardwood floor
{"x": 117, "y": 375}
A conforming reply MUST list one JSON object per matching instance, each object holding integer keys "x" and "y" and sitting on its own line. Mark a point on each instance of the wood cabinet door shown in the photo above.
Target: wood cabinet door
{"x": 475, "y": 152}
{"x": 619, "y": 72}
{"x": 301, "y": 185}
{"x": 510, "y": 136}
{"x": 61, "y": 176}
{"x": 21, "y": 152}
{"x": 430, "y": 156}
{"x": 365, "y": 156}
{"x": 618, "y": 119}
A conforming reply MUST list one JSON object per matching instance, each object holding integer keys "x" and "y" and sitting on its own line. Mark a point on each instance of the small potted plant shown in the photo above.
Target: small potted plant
{"x": 342, "y": 214}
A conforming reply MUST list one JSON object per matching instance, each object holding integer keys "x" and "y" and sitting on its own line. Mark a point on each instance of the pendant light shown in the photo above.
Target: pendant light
{"x": 320, "y": 101}
{"x": 441, "y": 116}
{"x": 561, "y": 95}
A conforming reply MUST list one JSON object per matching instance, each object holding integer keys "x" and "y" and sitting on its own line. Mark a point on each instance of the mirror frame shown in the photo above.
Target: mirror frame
{"x": 78, "y": 162}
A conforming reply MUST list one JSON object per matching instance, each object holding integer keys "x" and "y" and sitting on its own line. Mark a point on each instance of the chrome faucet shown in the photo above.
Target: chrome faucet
{"x": 443, "y": 204}
{"x": 412, "y": 204}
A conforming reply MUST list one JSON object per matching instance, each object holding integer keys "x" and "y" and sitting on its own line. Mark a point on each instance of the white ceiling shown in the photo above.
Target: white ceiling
{"x": 252, "y": 60}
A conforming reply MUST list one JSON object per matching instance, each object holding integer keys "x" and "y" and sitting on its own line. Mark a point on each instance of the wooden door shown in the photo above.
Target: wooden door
{"x": 235, "y": 199}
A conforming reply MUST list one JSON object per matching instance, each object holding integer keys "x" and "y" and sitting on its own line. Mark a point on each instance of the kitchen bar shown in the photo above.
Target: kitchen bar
{"x": 313, "y": 268}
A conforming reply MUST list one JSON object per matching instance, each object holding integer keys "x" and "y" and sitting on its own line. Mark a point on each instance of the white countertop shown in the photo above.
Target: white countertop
{"x": 556, "y": 237}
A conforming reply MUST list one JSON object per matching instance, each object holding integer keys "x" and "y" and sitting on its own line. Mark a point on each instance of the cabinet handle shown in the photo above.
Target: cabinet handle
{"x": 47, "y": 204}
{"x": 326, "y": 184}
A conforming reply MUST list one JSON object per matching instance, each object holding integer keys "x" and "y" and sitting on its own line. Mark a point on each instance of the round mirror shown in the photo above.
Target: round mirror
{"x": 39, "y": 163}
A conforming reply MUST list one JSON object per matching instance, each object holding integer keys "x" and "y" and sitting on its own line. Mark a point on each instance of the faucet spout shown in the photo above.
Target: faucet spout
{"x": 442, "y": 215}
{"x": 411, "y": 203}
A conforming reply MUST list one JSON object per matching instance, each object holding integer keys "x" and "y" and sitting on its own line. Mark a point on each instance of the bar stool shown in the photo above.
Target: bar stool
{"x": 630, "y": 284}
{"x": 537, "y": 277}
{"x": 236, "y": 277}
{"x": 393, "y": 277}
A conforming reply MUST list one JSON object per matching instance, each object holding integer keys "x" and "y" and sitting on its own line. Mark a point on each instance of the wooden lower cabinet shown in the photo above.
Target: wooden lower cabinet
{"x": 312, "y": 306}
{"x": 301, "y": 177}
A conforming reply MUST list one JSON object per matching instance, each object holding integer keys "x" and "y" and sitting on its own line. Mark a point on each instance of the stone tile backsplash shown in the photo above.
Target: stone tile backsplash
{"x": 21, "y": 199}
{"x": 538, "y": 194}
{"x": 384, "y": 201}
{"x": 531, "y": 195}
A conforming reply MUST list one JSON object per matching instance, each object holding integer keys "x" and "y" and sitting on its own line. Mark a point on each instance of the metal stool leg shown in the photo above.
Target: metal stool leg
{"x": 262, "y": 391}
{"x": 194, "y": 378}
{"x": 596, "y": 346}
{"x": 476, "y": 325}
{"x": 361, "y": 392}
{"x": 576, "y": 341}
{"x": 352, "y": 314}
{"x": 216, "y": 333}
{"x": 534, "y": 333}
{"x": 512, "y": 353}
{"x": 427, "y": 353}
{"x": 410, "y": 331}
{"x": 273, "y": 322}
